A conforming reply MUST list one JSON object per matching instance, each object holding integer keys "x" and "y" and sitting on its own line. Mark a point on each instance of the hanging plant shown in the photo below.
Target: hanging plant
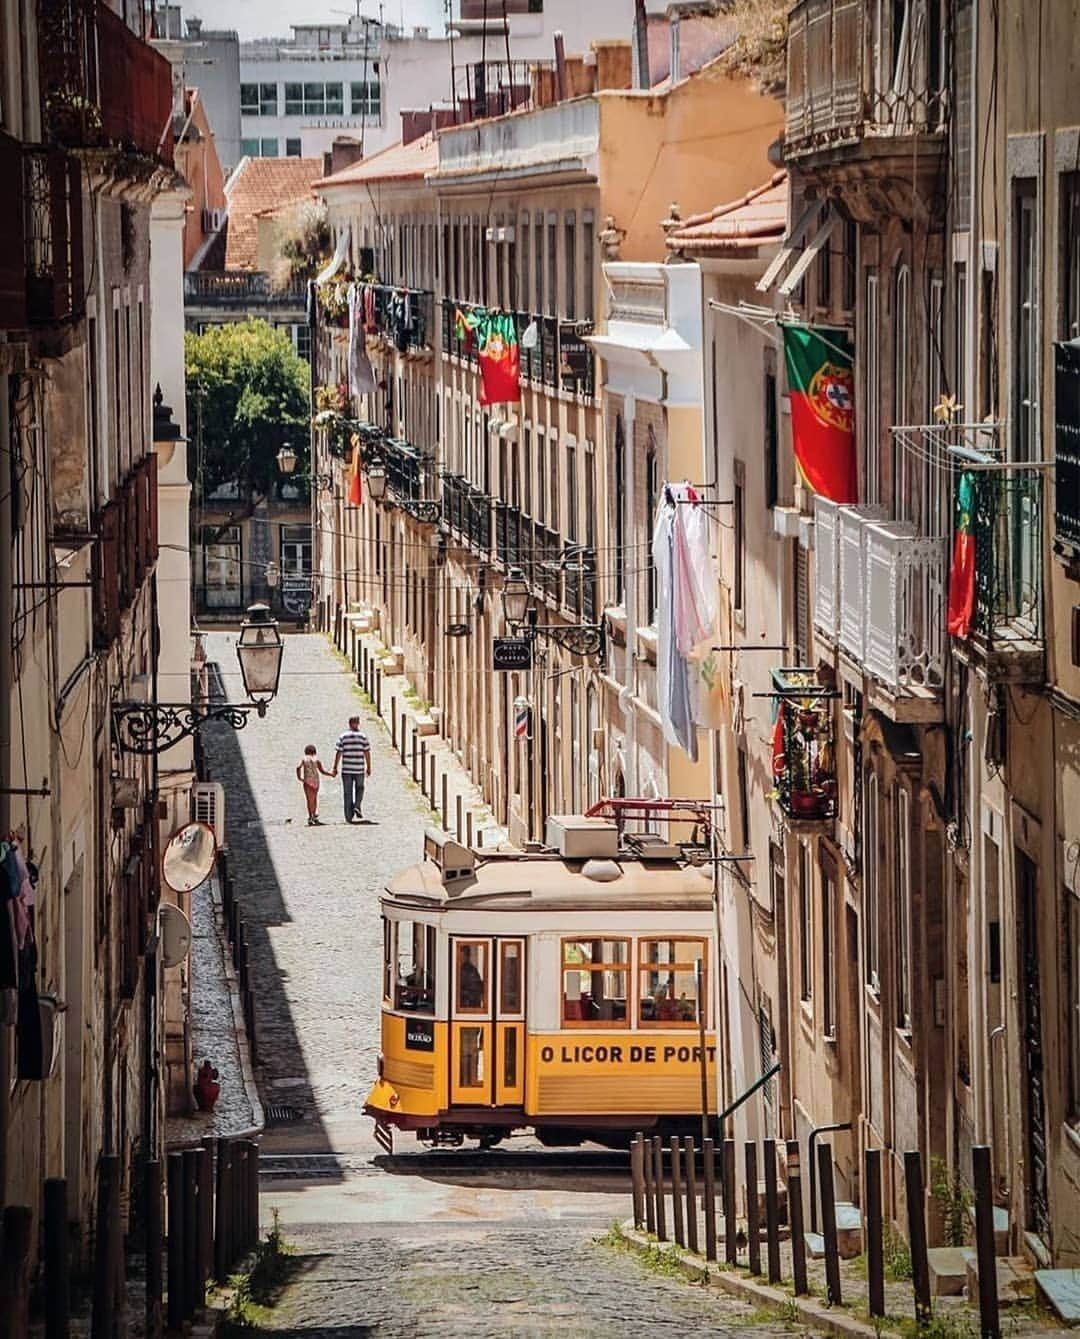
{"x": 334, "y": 301}
{"x": 331, "y": 398}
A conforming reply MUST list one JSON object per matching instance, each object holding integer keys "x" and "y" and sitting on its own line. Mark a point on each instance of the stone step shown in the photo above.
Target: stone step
{"x": 1001, "y": 1228}
{"x": 1061, "y": 1289}
{"x": 1015, "y": 1278}
{"x": 948, "y": 1269}
{"x": 848, "y": 1230}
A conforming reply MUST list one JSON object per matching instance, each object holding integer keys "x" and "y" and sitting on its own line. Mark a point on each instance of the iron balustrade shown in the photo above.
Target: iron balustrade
{"x": 52, "y": 240}
{"x": 556, "y": 354}
{"x": 224, "y": 287}
{"x": 1007, "y": 526}
{"x": 495, "y": 87}
{"x": 837, "y": 88}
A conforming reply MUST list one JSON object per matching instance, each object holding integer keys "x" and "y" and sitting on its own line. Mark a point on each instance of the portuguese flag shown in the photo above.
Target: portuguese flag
{"x": 464, "y": 326}
{"x": 962, "y": 572}
{"x": 821, "y": 387}
{"x": 500, "y": 358}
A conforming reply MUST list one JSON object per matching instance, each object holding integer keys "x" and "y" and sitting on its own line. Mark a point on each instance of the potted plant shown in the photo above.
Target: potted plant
{"x": 334, "y": 302}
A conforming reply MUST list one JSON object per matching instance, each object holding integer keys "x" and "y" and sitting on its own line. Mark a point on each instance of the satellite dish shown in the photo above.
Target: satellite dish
{"x": 174, "y": 935}
{"x": 189, "y": 857}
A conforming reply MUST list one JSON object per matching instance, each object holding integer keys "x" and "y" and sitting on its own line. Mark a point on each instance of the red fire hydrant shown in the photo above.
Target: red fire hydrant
{"x": 206, "y": 1087}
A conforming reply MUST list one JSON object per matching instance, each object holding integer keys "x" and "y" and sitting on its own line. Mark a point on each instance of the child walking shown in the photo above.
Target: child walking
{"x": 307, "y": 770}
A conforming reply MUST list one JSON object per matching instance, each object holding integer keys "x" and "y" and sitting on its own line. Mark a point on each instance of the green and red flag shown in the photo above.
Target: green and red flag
{"x": 821, "y": 385}
{"x": 962, "y": 571}
{"x": 465, "y": 324}
{"x": 500, "y": 359}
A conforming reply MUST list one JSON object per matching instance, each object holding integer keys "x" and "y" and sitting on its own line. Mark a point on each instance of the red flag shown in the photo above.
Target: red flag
{"x": 500, "y": 360}
{"x": 962, "y": 571}
{"x": 779, "y": 754}
{"x": 356, "y": 490}
{"x": 821, "y": 390}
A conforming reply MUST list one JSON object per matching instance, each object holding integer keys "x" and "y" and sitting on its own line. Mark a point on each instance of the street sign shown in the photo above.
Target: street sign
{"x": 511, "y": 653}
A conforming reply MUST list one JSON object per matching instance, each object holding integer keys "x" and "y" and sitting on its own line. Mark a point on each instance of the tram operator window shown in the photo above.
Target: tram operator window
{"x": 413, "y": 969}
{"x": 668, "y": 986}
{"x": 472, "y": 978}
{"x": 595, "y": 980}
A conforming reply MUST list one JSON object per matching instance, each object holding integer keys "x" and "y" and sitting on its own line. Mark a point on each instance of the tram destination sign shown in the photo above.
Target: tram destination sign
{"x": 511, "y": 653}
{"x": 419, "y": 1034}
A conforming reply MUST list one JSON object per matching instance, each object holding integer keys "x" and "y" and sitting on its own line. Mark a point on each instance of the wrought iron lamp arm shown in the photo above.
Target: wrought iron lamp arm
{"x": 580, "y": 639}
{"x": 153, "y": 727}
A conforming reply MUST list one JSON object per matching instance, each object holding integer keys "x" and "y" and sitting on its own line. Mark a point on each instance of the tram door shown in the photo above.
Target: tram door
{"x": 487, "y": 1052}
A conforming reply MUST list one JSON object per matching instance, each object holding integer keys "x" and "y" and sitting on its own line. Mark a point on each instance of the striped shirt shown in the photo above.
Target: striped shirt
{"x": 353, "y": 746}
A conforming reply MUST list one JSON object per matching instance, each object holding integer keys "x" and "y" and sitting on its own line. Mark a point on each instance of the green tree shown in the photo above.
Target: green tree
{"x": 247, "y": 394}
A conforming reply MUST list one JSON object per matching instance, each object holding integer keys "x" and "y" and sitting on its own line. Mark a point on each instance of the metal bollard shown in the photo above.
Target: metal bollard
{"x": 469, "y": 830}
{"x": 57, "y": 1280}
{"x": 204, "y": 1185}
{"x": 658, "y": 1184}
{"x": 650, "y": 1186}
{"x": 431, "y": 778}
{"x": 153, "y": 1242}
{"x": 15, "y": 1245}
{"x": 795, "y": 1218}
{"x": 920, "y": 1264}
{"x": 222, "y": 1210}
{"x": 393, "y": 721}
{"x": 753, "y": 1226}
{"x": 253, "y": 1190}
{"x": 423, "y": 768}
{"x": 827, "y": 1192}
{"x": 194, "y": 1295}
{"x": 107, "y": 1248}
{"x": 772, "y": 1210}
{"x": 445, "y": 797}
{"x": 415, "y": 749}
{"x": 727, "y": 1172}
{"x": 677, "y": 1192}
{"x": 982, "y": 1176}
{"x": 708, "y": 1158}
{"x": 637, "y": 1171}
{"x": 690, "y": 1172}
{"x": 176, "y": 1303}
{"x": 458, "y": 829}
{"x": 378, "y": 691}
{"x": 401, "y": 741}
{"x": 873, "y": 1240}
{"x": 236, "y": 1172}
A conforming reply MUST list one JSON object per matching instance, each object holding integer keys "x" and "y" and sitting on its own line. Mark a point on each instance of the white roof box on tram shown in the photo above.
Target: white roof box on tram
{"x": 575, "y": 837}
{"x": 454, "y": 860}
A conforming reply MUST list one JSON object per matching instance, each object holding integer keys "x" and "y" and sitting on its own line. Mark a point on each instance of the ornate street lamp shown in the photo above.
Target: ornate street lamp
{"x": 153, "y": 727}
{"x": 580, "y": 639}
{"x": 376, "y": 479}
{"x": 286, "y": 463}
{"x": 515, "y": 597}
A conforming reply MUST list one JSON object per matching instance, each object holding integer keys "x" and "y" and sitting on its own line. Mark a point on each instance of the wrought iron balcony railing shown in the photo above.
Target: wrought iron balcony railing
{"x": 1007, "y": 525}
{"x": 101, "y": 84}
{"x": 856, "y": 70}
{"x": 126, "y": 548}
{"x": 52, "y": 238}
{"x": 554, "y": 353}
{"x": 228, "y": 288}
{"x": 804, "y": 757}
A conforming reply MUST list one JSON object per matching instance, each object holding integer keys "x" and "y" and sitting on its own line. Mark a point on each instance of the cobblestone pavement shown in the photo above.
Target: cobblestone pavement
{"x": 310, "y": 896}
{"x": 487, "y": 1281}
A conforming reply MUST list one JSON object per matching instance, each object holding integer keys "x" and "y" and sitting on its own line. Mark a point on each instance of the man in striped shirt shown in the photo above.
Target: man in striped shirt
{"x": 354, "y": 761}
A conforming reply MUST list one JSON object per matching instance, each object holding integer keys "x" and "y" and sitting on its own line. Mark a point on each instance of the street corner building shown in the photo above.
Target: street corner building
{"x": 91, "y": 315}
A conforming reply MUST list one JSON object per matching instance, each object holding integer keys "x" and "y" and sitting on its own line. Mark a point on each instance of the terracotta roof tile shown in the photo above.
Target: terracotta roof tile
{"x": 756, "y": 219}
{"x": 257, "y": 185}
{"x": 398, "y": 162}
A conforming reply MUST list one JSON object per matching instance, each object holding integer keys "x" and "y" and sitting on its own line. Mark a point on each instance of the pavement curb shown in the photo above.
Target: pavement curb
{"x": 808, "y": 1309}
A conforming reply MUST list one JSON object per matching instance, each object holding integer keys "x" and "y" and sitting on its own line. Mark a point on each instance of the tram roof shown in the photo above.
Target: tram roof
{"x": 535, "y": 883}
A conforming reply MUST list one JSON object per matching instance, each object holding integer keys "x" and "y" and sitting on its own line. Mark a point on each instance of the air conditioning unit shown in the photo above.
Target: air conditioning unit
{"x": 208, "y": 806}
{"x": 213, "y": 220}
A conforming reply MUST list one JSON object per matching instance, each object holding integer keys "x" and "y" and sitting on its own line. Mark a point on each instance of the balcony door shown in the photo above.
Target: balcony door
{"x": 1023, "y": 573}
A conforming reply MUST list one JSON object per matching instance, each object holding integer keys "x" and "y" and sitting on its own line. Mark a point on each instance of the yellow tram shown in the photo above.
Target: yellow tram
{"x": 567, "y": 991}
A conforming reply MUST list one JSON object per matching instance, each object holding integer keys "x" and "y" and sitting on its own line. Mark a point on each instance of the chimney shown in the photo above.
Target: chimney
{"x": 674, "y": 72}
{"x": 561, "y": 89}
{"x": 614, "y": 65}
{"x": 641, "y": 40}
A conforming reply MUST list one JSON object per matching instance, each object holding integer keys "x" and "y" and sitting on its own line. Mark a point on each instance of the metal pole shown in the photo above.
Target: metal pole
{"x": 828, "y": 1224}
{"x": 753, "y": 1226}
{"x": 658, "y": 1181}
{"x": 795, "y": 1218}
{"x": 708, "y": 1158}
{"x": 15, "y": 1239}
{"x": 677, "y": 1192}
{"x": 152, "y": 1210}
{"x": 699, "y": 986}
{"x": 445, "y": 797}
{"x": 727, "y": 1171}
{"x": 206, "y": 1218}
{"x": 176, "y": 1307}
{"x": 221, "y": 1211}
{"x": 105, "y": 1265}
{"x": 193, "y": 1294}
{"x": 772, "y": 1210}
{"x": 57, "y": 1281}
{"x": 875, "y": 1253}
{"x": 982, "y": 1175}
{"x": 690, "y": 1172}
{"x": 636, "y": 1179}
{"x": 920, "y": 1265}
{"x": 650, "y": 1184}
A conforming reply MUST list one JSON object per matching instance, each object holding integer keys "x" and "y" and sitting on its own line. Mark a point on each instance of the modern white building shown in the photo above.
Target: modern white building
{"x": 209, "y": 61}
{"x": 354, "y": 79}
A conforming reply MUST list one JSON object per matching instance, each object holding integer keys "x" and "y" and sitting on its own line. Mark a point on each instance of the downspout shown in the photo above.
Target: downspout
{"x": 6, "y": 1033}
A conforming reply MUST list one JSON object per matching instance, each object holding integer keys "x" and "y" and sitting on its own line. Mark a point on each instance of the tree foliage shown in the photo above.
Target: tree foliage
{"x": 247, "y": 394}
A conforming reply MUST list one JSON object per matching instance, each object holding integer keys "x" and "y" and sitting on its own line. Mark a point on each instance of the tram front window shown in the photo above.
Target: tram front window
{"x": 414, "y": 968}
{"x": 595, "y": 981}
{"x": 669, "y": 995}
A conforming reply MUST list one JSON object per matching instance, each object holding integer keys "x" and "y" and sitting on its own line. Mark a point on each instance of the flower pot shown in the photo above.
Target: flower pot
{"x": 807, "y": 803}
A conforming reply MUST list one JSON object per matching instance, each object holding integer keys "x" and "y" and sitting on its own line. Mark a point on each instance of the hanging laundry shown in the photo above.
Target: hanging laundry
{"x": 371, "y": 318}
{"x": 696, "y": 611}
{"x": 361, "y": 373}
{"x": 674, "y": 696}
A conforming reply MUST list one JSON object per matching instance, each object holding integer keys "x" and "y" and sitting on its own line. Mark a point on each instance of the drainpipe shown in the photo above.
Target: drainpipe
{"x": 819, "y": 1130}
{"x": 6, "y": 1033}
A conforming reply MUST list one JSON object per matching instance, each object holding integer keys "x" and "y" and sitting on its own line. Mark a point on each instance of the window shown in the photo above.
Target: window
{"x": 902, "y": 902}
{"x": 901, "y": 374}
{"x": 743, "y": 782}
{"x": 538, "y": 252}
{"x": 510, "y": 976}
{"x": 594, "y": 982}
{"x": 570, "y": 261}
{"x": 525, "y": 288}
{"x": 293, "y": 149}
{"x": 541, "y": 476}
{"x": 850, "y": 257}
{"x": 388, "y": 958}
{"x": 738, "y": 522}
{"x": 413, "y": 965}
{"x": 365, "y": 98}
{"x": 870, "y": 884}
{"x": 772, "y": 433}
{"x": 553, "y": 497}
{"x": 314, "y": 100}
{"x": 652, "y": 495}
{"x": 1070, "y": 255}
{"x": 1026, "y": 327}
{"x": 829, "y": 962}
{"x": 588, "y": 261}
{"x": 471, "y": 976}
{"x": 590, "y": 497}
{"x": 552, "y": 307}
{"x": 571, "y": 528}
{"x": 619, "y": 473}
{"x": 259, "y": 148}
{"x": 258, "y": 100}
{"x": 806, "y": 929}
{"x": 668, "y": 982}
{"x": 872, "y": 408}
{"x": 295, "y": 550}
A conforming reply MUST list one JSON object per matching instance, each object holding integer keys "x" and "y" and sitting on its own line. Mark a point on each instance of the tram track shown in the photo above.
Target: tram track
{"x": 450, "y": 1162}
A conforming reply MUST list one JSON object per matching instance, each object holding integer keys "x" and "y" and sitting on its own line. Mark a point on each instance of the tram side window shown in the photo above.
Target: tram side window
{"x": 471, "y": 977}
{"x": 668, "y": 985}
{"x": 595, "y": 981}
{"x": 414, "y": 971}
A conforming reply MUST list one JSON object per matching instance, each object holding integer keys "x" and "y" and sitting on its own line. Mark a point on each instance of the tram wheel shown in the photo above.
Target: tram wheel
{"x": 489, "y": 1140}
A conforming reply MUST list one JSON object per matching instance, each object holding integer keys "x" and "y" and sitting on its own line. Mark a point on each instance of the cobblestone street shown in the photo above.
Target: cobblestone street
{"x": 379, "y": 1253}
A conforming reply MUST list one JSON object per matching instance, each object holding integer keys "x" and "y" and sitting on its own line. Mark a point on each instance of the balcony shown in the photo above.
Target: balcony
{"x": 52, "y": 240}
{"x": 404, "y": 468}
{"x": 864, "y": 82}
{"x": 101, "y": 85}
{"x": 804, "y": 768}
{"x": 558, "y": 357}
{"x": 467, "y": 510}
{"x": 241, "y": 288}
{"x": 126, "y": 549}
{"x": 879, "y": 594}
{"x": 562, "y": 139}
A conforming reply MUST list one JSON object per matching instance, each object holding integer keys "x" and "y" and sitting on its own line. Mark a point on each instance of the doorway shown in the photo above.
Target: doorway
{"x": 487, "y": 1052}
